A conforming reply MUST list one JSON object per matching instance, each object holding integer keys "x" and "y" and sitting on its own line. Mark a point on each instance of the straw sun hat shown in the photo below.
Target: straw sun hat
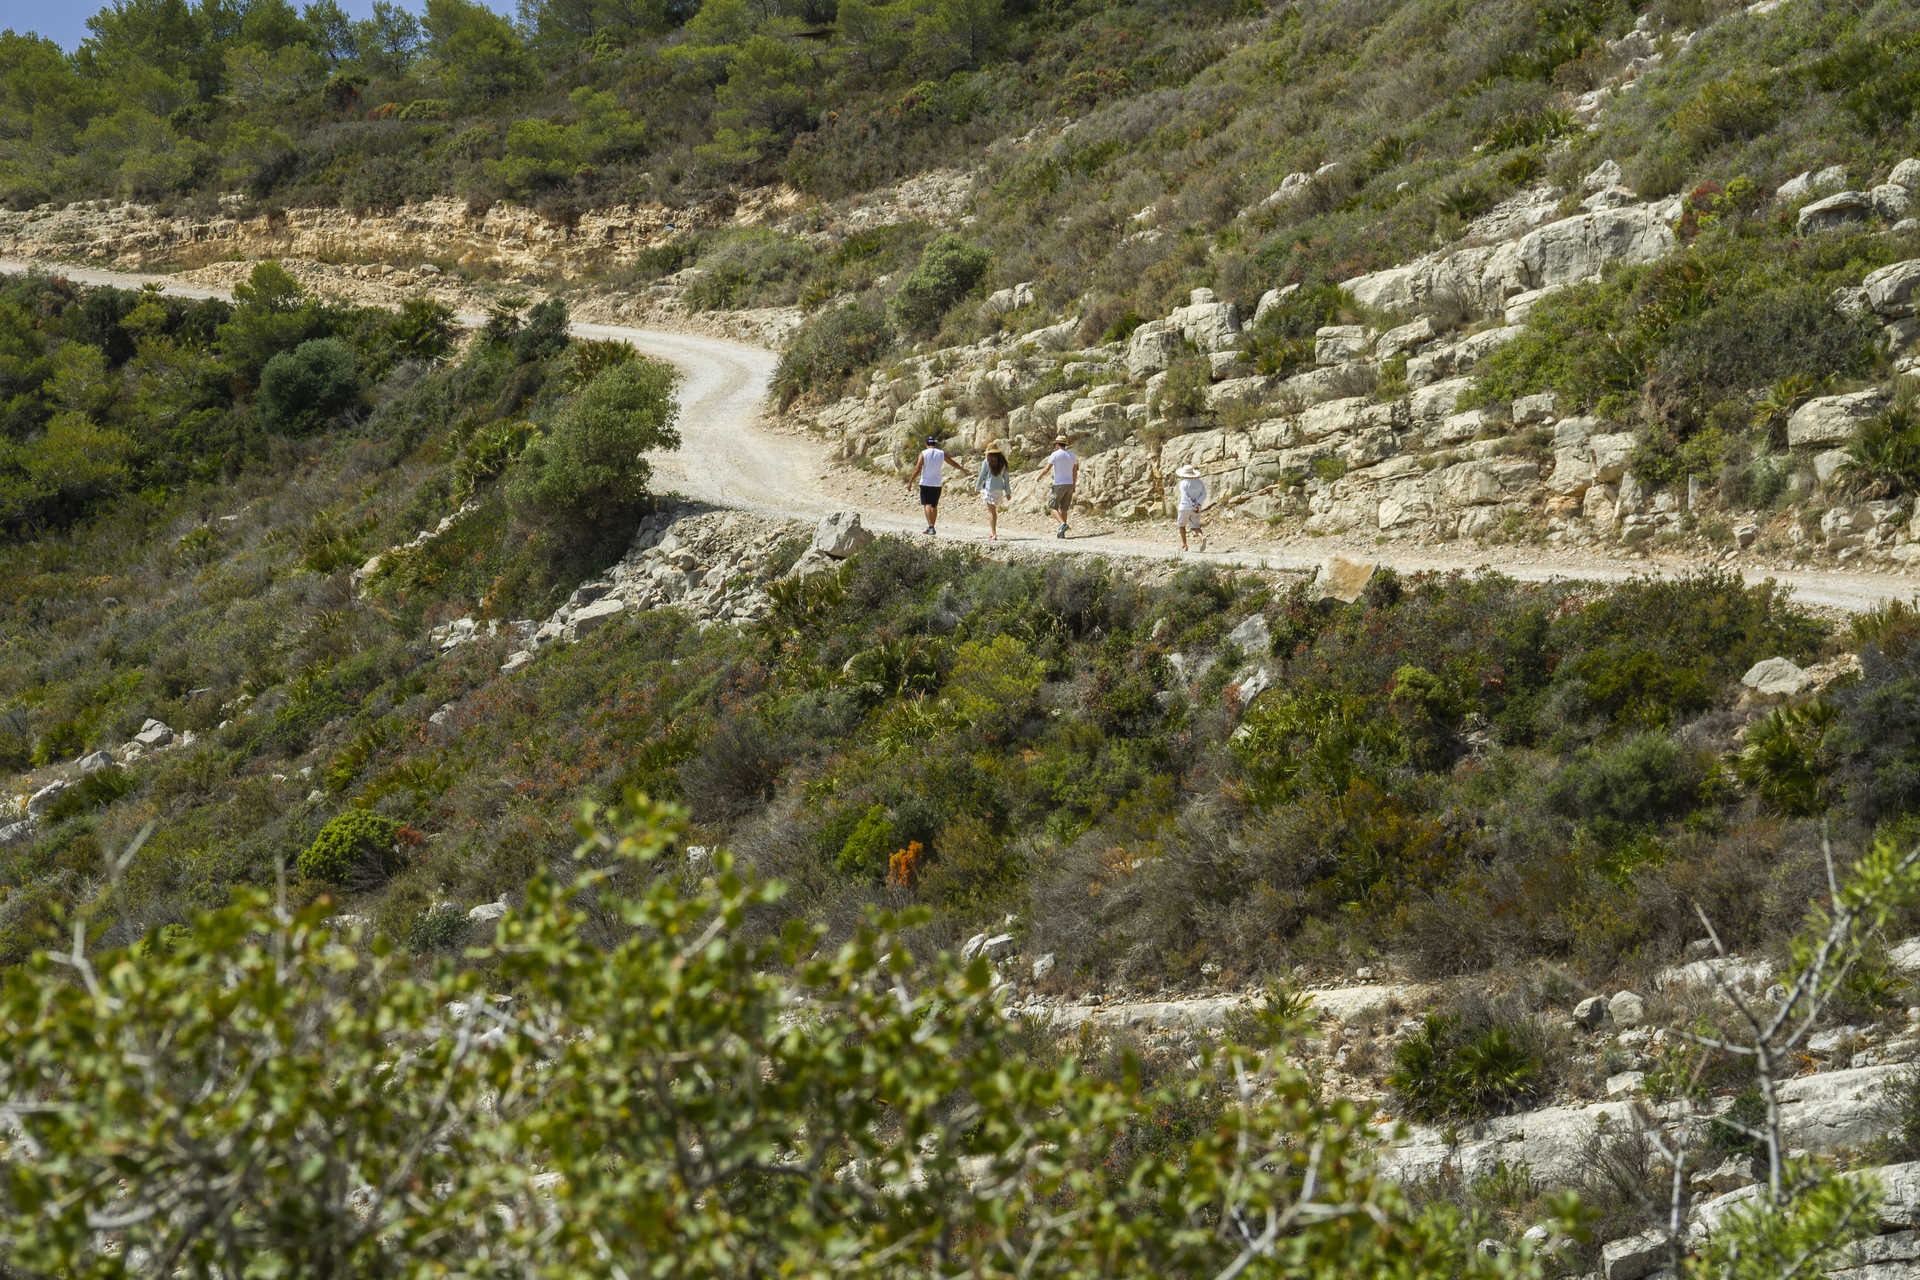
{"x": 1188, "y": 472}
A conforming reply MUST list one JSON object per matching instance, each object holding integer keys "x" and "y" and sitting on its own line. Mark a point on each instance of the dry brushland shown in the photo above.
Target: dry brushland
{"x": 446, "y": 831}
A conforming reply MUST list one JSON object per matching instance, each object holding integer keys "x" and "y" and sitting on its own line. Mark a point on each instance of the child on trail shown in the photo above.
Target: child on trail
{"x": 1066, "y": 473}
{"x": 929, "y": 474}
{"x": 1193, "y": 496}
{"x": 996, "y": 487}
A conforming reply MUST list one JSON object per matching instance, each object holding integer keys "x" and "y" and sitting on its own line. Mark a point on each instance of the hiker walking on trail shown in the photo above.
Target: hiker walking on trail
{"x": 929, "y": 474}
{"x": 996, "y": 487}
{"x": 1066, "y": 473}
{"x": 1192, "y": 497}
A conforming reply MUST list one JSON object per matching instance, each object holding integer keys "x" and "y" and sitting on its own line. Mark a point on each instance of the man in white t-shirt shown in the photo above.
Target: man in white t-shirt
{"x": 1065, "y": 469}
{"x": 929, "y": 474}
{"x": 1192, "y": 496}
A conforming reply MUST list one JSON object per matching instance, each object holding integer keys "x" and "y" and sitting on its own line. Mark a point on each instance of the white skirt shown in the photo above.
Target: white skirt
{"x": 993, "y": 499}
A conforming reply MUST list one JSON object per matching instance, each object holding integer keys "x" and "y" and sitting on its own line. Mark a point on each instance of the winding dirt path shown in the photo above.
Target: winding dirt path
{"x": 731, "y": 456}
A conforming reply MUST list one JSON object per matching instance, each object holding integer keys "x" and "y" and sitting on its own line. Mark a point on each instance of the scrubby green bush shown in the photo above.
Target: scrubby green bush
{"x": 93, "y": 791}
{"x": 1282, "y": 343}
{"x": 1469, "y": 1065}
{"x": 1781, "y": 759}
{"x": 586, "y": 475}
{"x": 423, "y": 330}
{"x": 948, "y": 270}
{"x": 302, "y": 389}
{"x": 437, "y": 928}
{"x": 868, "y": 845}
{"x": 1883, "y": 458}
{"x": 1648, "y": 778}
{"x": 1087, "y": 1172}
{"x": 828, "y": 349}
{"x": 355, "y": 848}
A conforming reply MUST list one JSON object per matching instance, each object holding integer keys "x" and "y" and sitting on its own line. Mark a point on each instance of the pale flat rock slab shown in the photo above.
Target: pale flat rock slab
{"x": 1776, "y": 678}
{"x": 1833, "y": 419}
{"x": 1342, "y": 579}
{"x": 591, "y": 618}
{"x": 840, "y": 535}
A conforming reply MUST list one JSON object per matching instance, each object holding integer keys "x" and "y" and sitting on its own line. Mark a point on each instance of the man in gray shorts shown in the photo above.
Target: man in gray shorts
{"x": 1065, "y": 469}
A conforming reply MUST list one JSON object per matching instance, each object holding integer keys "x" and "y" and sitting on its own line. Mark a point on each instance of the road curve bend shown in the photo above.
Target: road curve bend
{"x": 730, "y": 456}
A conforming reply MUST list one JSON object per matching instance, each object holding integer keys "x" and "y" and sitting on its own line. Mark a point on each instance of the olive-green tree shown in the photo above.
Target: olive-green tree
{"x": 664, "y": 1092}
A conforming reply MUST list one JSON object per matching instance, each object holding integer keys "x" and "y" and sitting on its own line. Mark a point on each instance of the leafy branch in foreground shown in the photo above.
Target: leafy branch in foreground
{"x": 1804, "y": 1213}
{"x": 647, "y": 1089}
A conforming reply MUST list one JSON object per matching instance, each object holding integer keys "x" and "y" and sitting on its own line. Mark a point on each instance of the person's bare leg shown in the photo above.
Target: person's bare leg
{"x": 993, "y": 522}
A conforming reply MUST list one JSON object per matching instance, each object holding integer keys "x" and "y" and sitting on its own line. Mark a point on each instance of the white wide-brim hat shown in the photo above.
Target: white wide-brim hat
{"x": 1188, "y": 472}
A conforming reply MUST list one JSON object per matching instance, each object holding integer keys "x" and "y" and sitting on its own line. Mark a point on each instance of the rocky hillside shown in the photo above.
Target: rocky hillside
{"x": 1382, "y": 426}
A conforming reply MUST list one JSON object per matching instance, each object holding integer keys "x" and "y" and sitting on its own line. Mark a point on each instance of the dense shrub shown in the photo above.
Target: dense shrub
{"x": 1874, "y": 740}
{"x": 356, "y": 848}
{"x": 437, "y": 928}
{"x": 585, "y": 476}
{"x": 1469, "y": 1064}
{"x": 825, "y": 351}
{"x": 947, "y": 271}
{"x": 1648, "y": 778}
{"x": 300, "y": 390}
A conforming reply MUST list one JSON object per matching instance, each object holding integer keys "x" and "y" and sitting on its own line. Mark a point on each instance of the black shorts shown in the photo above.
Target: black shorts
{"x": 930, "y": 495}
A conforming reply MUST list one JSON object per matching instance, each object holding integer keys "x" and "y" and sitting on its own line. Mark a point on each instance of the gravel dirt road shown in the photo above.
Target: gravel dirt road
{"x": 733, "y": 454}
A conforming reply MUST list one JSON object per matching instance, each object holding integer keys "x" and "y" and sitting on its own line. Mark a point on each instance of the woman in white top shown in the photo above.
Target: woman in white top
{"x": 1193, "y": 496}
{"x": 996, "y": 487}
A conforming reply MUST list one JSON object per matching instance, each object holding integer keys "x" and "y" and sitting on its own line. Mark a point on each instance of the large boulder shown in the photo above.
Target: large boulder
{"x": 1433, "y": 403}
{"x": 1238, "y": 391}
{"x": 1154, "y": 346}
{"x": 1833, "y": 419}
{"x": 1775, "y": 678}
{"x": 1119, "y": 480}
{"x": 1635, "y": 1257}
{"x": 1403, "y": 338}
{"x": 1891, "y": 290}
{"x": 1891, "y": 200}
{"x": 1469, "y": 484}
{"x": 840, "y": 535}
{"x": 1841, "y": 209}
{"x": 1578, "y": 248}
{"x": 40, "y": 801}
{"x": 153, "y": 734}
{"x": 1208, "y": 324}
{"x": 1337, "y": 417}
{"x": 1837, "y": 1110}
{"x": 1001, "y": 301}
{"x": 1252, "y": 637}
{"x": 591, "y": 618}
{"x": 1342, "y": 579}
{"x": 1089, "y": 418}
{"x": 1337, "y": 342}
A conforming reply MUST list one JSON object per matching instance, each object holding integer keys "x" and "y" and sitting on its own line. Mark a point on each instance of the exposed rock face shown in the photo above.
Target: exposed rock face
{"x": 840, "y": 535}
{"x": 1548, "y": 257}
{"x": 1833, "y": 419}
{"x": 715, "y": 565}
{"x": 1776, "y": 678}
{"x": 1382, "y": 434}
{"x": 1836, "y": 211}
{"x": 1891, "y": 290}
{"x": 1343, "y": 579}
